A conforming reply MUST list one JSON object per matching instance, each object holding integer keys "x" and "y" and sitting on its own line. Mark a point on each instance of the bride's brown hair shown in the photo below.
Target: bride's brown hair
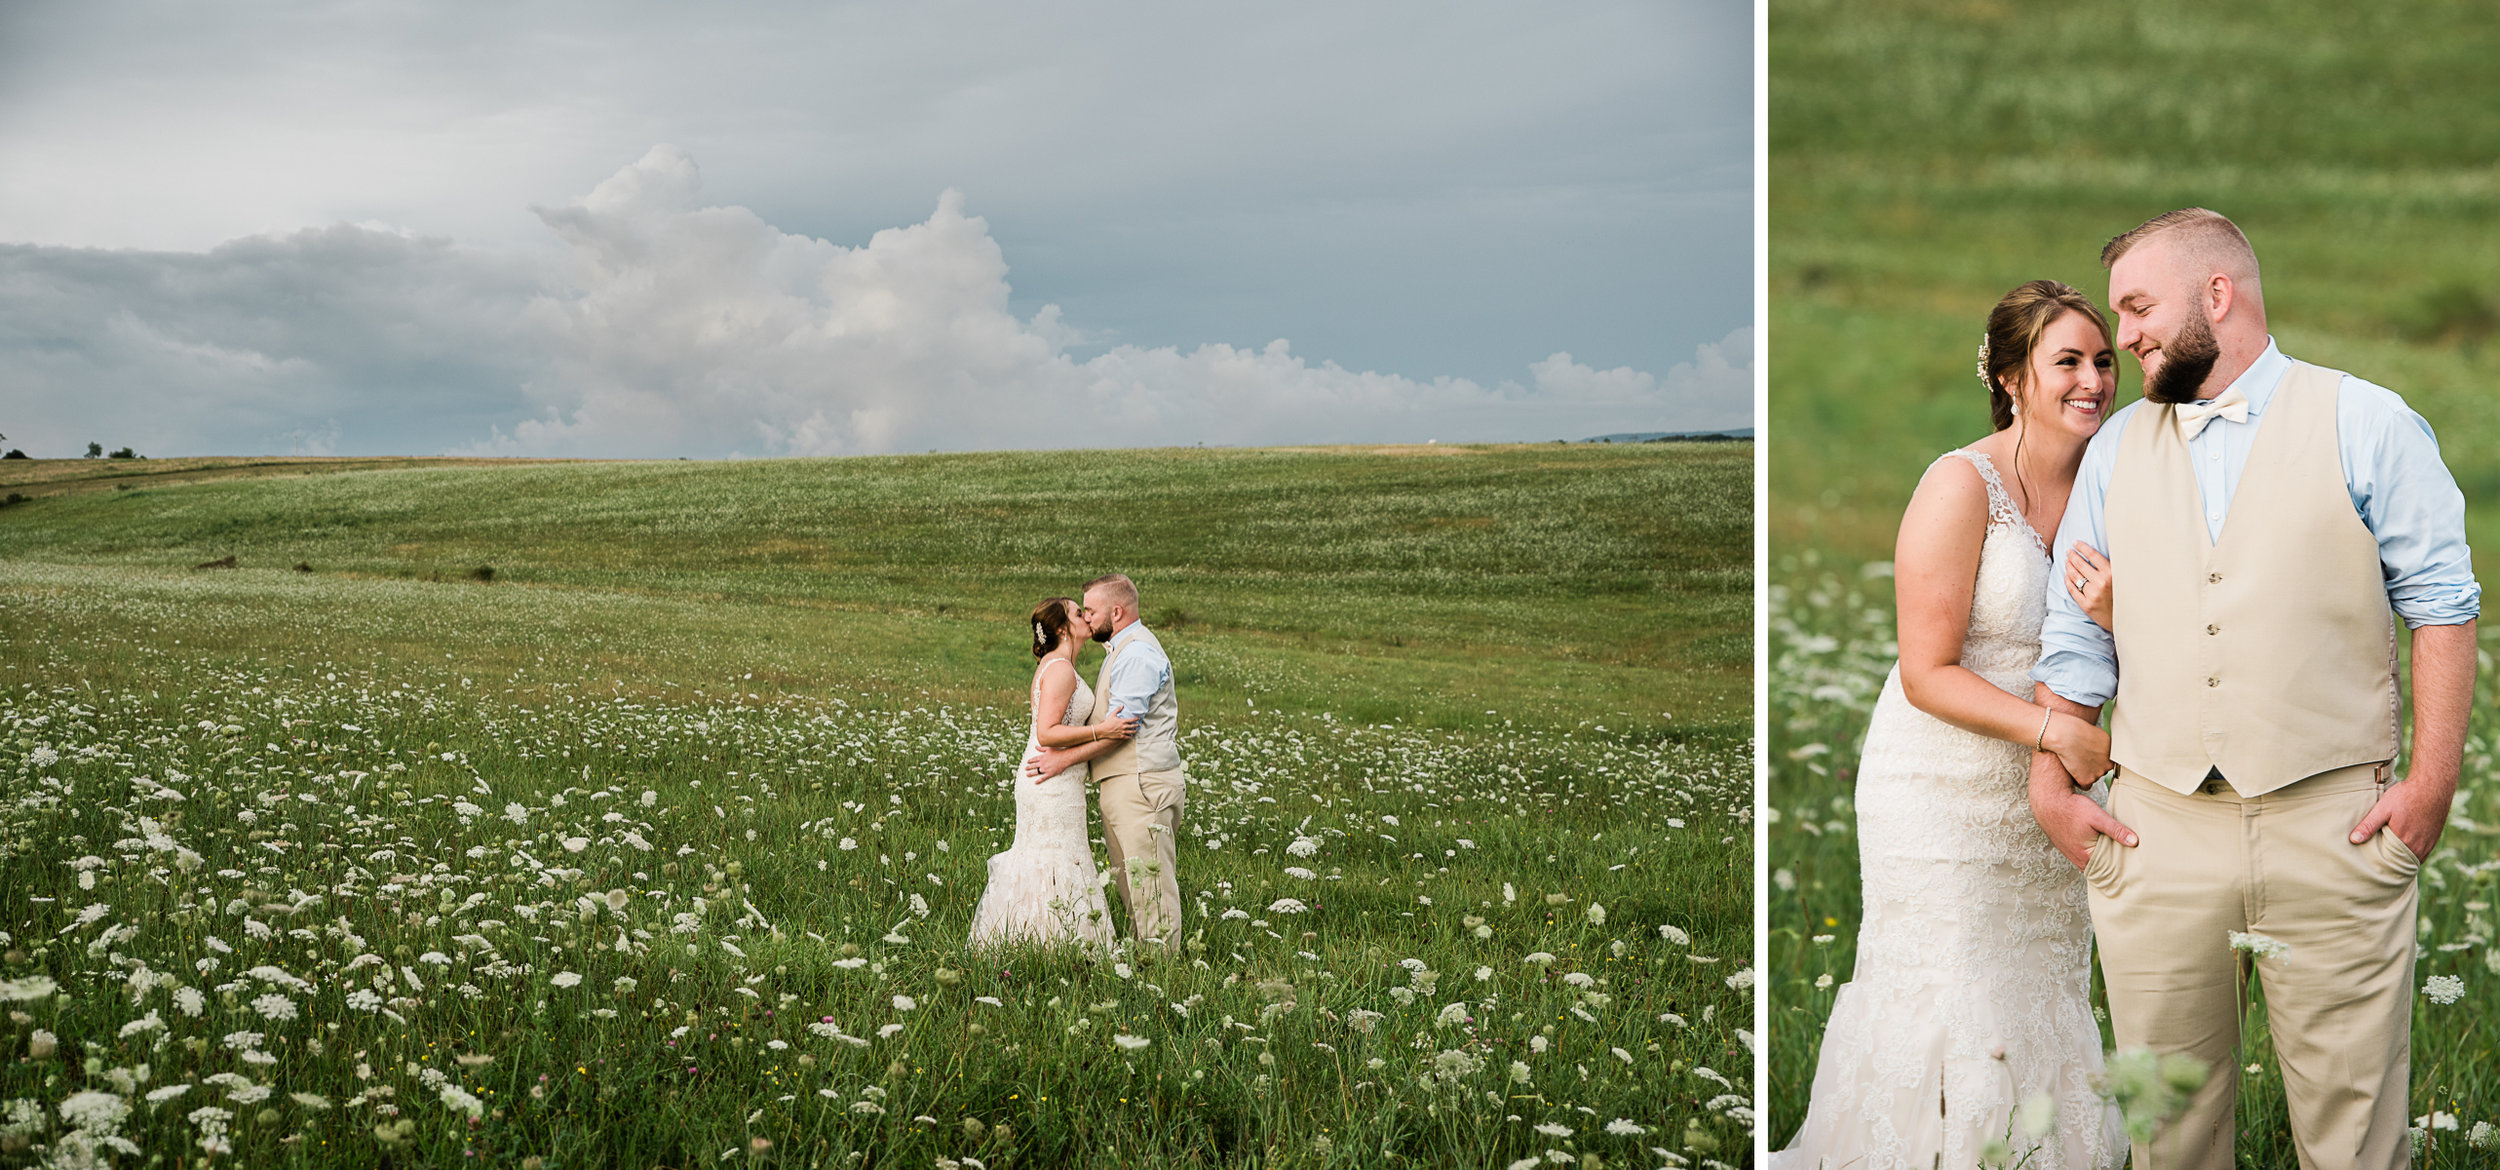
{"x": 2015, "y": 326}
{"x": 1050, "y": 624}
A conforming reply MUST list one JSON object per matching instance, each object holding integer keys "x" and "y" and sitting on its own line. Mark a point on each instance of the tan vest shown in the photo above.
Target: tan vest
{"x": 1156, "y": 747}
{"x": 2270, "y": 655}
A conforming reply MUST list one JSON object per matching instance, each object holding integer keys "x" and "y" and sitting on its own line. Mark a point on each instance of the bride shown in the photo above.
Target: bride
{"x": 1044, "y": 889}
{"x": 1973, "y": 965}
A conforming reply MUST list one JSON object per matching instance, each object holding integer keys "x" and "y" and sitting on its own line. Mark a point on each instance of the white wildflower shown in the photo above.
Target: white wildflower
{"x": 2261, "y": 946}
{"x": 95, "y": 1112}
{"x": 461, "y": 1101}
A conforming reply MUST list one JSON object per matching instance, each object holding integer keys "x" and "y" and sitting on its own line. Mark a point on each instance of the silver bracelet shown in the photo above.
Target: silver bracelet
{"x": 2041, "y": 739}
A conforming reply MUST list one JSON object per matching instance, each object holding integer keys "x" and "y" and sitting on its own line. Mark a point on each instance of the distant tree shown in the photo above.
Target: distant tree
{"x": 125, "y": 453}
{"x": 95, "y": 450}
{"x": 14, "y": 453}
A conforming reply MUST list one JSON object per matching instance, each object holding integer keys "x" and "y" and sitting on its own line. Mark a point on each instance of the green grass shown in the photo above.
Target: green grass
{"x": 1551, "y": 582}
{"x": 1926, "y": 157}
{"x": 729, "y": 742}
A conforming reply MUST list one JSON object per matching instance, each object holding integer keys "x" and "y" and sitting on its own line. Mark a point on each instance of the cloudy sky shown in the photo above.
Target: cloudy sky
{"x": 753, "y": 230}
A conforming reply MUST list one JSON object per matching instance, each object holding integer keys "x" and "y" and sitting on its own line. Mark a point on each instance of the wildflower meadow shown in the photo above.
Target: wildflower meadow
{"x": 623, "y": 855}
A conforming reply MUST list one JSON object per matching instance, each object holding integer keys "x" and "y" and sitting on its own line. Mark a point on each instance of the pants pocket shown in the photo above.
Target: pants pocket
{"x": 2100, "y": 864}
{"x": 2397, "y": 854}
{"x": 1163, "y": 791}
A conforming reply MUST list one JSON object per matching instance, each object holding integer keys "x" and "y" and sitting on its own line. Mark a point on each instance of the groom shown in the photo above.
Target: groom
{"x": 1140, "y": 782}
{"x": 2266, "y": 514}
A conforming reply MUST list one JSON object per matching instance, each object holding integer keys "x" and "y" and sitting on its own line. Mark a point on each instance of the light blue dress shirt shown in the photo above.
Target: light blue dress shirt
{"x": 1140, "y": 672}
{"x": 2391, "y": 469}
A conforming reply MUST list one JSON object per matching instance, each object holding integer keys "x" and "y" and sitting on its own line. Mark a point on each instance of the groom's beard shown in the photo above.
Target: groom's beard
{"x": 1102, "y": 635}
{"x": 2186, "y": 360}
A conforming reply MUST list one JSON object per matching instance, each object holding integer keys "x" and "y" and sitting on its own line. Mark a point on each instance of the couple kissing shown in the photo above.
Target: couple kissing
{"x": 1123, "y": 734}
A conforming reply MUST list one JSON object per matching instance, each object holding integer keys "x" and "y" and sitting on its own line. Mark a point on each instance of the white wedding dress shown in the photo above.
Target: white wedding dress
{"x": 1044, "y": 888}
{"x": 1973, "y": 959}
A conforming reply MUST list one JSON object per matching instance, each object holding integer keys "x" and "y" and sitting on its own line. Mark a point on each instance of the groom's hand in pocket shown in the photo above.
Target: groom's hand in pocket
{"x": 2069, "y": 817}
{"x": 2416, "y": 810}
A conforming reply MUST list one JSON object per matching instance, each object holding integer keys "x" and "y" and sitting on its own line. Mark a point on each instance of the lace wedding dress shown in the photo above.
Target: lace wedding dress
{"x": 1973, "y": 961}
{"x": 1044, "y": 888}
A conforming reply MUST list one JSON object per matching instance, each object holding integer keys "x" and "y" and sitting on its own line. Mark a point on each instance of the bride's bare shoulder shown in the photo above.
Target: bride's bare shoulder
{"x": 1952, "y": 487}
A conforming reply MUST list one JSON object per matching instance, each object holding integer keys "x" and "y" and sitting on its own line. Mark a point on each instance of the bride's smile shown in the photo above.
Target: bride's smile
{"x": 2074, "y": 367}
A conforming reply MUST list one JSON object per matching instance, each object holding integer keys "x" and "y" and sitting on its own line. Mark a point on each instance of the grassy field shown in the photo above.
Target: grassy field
{"x": 657, "y": 846}
{"x": 2352, "y": 144}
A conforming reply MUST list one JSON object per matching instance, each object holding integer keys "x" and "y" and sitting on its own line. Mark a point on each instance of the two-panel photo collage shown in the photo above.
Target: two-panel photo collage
{"x": 1641, "y": 584}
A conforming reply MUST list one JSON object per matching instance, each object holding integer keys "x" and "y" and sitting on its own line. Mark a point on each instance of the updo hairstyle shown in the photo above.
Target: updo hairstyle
{"x": 1050, "y": 624}
{"x": 2014, "y": 329}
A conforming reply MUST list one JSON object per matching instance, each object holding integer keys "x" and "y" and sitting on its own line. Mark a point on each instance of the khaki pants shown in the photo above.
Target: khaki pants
{"x": 1141, "y": 823}
{"x": 2339, "y": 1001}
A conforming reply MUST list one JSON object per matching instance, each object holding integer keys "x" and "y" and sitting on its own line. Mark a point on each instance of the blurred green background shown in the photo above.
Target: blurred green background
{"x": 1925, "y": 158}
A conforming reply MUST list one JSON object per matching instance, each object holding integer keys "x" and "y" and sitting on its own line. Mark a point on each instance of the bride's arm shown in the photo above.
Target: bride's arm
{"x": 1935, "y": 569}
{"x": 1060, "y": 735}
{"x": 1048, "y": 729}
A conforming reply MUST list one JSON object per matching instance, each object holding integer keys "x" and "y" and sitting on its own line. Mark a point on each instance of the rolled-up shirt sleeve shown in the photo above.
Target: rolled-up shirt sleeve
{"x": 2411, "y": 503}
{"x": 2078, "y": 659}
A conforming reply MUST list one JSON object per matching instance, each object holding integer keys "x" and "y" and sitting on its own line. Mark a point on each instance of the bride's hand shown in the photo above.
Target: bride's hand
{"x": 1124, "y": 727}
{"x": 2091, "y": 581}
{"x": 2082, "y": 748}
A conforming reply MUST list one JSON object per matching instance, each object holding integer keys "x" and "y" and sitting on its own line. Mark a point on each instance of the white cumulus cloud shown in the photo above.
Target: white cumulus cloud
{"x": 665, "y": 326}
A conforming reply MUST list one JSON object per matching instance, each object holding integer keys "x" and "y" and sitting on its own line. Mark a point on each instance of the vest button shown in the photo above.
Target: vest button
{"x": 2213, "y": 629}
{"x": 2213, "y": 578}
{"x": 2213, "y": 682}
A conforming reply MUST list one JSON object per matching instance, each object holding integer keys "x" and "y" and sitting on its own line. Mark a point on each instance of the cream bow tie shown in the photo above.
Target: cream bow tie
{"x": 2193, "y": 416}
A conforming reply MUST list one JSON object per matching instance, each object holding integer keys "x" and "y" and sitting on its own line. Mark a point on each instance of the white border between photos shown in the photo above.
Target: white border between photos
{"x": 1761, "y": 575}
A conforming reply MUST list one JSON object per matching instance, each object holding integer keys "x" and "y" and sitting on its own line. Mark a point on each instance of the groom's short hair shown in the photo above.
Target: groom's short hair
{"x": 2205, "y": 236}
{"x": 1120, "y": 589}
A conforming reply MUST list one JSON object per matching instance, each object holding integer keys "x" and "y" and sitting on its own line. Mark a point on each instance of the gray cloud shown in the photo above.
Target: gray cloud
{"x": 1458, "y": 187}
{"x": 299, "y": 343}
{"x": 664, "y": 325}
